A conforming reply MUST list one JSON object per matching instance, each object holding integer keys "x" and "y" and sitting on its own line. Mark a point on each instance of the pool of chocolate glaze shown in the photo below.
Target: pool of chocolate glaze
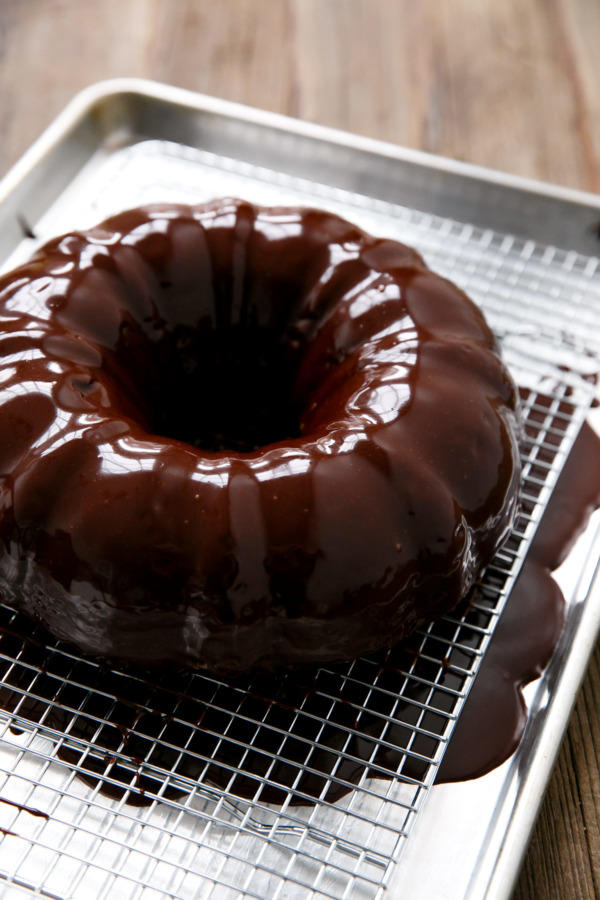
{"x": 312, "y": 733}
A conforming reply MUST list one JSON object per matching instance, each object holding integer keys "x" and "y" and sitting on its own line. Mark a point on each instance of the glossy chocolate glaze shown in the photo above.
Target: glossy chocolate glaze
{"x": 178, "y": 722}
{"x": 494, "y": 717}
{"x": 236, "y": 437}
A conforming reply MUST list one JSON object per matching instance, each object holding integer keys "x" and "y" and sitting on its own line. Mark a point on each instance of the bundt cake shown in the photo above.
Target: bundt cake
{"x": 244, "y": 438}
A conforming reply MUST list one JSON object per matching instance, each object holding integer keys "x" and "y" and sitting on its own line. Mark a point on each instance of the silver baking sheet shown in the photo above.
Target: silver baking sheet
{"x": 528, "y": 254}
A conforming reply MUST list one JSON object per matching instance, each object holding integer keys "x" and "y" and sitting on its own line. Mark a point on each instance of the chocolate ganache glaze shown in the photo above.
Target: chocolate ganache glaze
{"x": 494, "y": 717}
{"x": 176, "y": 721}
{"x": 239, "y": 438}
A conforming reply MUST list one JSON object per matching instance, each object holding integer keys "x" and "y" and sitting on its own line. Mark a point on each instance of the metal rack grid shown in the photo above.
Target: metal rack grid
{"x": 116, "y": 782}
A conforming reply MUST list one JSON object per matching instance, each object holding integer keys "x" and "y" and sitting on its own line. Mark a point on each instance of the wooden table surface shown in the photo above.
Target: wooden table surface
{"x": 513, "y": 85}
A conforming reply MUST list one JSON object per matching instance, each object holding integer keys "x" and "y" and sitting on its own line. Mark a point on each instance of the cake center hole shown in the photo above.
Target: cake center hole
{"x": 225, "y": 390}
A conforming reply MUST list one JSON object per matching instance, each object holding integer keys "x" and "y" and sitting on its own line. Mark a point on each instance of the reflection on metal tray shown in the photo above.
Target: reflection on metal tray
{"x": 179, "y": 785}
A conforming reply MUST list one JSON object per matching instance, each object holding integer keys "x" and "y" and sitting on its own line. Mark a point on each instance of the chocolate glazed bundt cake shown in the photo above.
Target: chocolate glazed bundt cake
{"x": 240, "y": 438}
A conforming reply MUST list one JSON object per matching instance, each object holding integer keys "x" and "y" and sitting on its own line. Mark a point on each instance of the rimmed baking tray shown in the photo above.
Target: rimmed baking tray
{"x": 342, "y": 820}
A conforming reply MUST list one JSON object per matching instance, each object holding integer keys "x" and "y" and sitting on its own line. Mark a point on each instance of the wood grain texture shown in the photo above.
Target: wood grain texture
{"x": 563, "y": 859}
{"x": 512, "y": 85}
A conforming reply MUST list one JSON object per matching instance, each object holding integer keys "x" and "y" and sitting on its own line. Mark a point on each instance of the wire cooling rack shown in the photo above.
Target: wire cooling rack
{"x": 120, "y": 783}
